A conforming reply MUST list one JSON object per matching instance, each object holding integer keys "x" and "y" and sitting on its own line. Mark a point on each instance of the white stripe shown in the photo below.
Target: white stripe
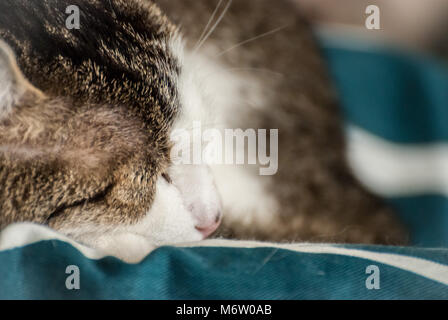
{"x": 393, "y": 169}
{"x": 19, "y": 235}
{"x": 425, "y": 268}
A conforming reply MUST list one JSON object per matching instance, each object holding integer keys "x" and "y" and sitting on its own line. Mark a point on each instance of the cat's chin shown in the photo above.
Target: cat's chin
{"x": 169, "y": 219}
{"x": 180, "y": 213}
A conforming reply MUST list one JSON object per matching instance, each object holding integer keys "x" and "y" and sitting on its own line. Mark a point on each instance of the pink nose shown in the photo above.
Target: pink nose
{"x": 208, "y": 228}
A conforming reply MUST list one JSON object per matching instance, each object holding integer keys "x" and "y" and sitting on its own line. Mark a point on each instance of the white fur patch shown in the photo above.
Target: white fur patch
{"x": 13, "y": 84}
{"x": 211, "y": 94}
{"x": 11, "y": 81}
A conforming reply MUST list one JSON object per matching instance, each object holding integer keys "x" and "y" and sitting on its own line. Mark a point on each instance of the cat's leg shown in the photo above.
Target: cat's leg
{"x": 339, "y": 211}
{"x": 129, "y": 247}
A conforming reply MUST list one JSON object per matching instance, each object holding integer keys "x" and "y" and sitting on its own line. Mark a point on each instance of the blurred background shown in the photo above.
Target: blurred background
{"x": 393, "y": 88}
{"x": 416, "y": 24}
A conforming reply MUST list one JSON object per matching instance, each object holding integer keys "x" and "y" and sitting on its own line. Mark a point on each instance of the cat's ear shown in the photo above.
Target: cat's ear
{"x": 13, "y": 84}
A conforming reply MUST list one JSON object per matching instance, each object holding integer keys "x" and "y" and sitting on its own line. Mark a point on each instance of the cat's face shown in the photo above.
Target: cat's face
{"x": 129, "y": 194}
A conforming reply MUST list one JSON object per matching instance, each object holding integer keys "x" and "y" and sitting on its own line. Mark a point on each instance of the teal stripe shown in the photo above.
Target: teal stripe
{"x": 396, "y": 96}
{"x": 205, "y": 273}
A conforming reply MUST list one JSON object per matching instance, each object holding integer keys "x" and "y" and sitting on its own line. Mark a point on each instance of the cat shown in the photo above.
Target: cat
{"x": 89, "y": 116}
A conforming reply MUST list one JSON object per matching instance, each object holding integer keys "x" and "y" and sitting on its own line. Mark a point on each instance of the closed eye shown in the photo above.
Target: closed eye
{"x": 167, "y": 178}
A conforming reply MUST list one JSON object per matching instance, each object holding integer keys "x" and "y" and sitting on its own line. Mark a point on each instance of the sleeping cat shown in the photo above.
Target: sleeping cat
{"x": 89, "y": 117}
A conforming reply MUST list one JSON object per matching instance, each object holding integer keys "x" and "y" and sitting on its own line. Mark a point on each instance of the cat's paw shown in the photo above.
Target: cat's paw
{"x": 129, "y": 247}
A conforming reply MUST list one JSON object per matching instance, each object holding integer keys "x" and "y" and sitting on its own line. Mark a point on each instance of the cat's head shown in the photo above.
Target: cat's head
{"x": 178, "y": 202}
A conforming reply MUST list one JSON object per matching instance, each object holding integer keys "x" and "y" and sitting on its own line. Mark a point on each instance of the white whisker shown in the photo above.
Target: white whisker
{"x": 214, "y": 26}
{"x": 258, "y": 70}
{"x": 208, "y": 24}
{"x": 250, "y": 40}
